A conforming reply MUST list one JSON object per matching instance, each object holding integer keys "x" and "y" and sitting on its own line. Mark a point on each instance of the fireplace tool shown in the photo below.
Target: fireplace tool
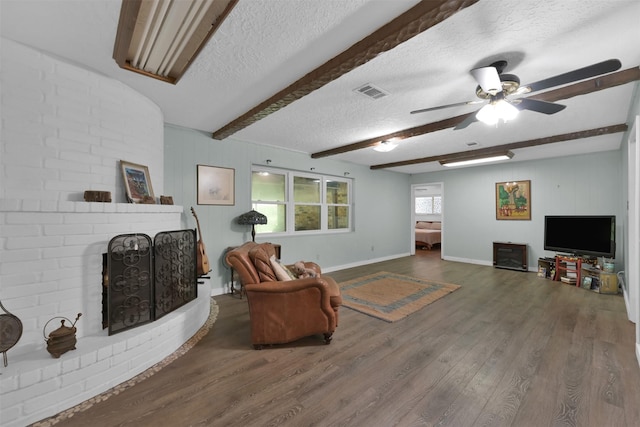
{"x": 10, "y": 332}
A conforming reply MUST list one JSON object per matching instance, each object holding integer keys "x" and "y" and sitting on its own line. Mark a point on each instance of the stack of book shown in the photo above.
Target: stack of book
{"x": 572, "y": 276}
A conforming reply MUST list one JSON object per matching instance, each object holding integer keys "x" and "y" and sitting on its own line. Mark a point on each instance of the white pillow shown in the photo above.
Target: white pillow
{"x": 281, "y": 272}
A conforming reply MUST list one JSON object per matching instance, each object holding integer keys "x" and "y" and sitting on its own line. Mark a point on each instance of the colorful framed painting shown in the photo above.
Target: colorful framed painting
{"x": 216, "y": 185}
{"x": 513, "y": 200}
{"x": 137, "y": 183}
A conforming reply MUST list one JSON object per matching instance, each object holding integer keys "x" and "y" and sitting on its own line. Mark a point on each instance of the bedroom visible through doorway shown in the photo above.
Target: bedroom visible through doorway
{"x": 427, "y": 216}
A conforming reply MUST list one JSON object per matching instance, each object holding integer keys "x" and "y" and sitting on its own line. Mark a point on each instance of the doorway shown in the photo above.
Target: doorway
{"x": 631, "y": 285}
{"x": 427, "y": 204}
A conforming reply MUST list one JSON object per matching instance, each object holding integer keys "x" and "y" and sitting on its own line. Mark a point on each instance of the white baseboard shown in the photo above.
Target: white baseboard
{"x": 219, "y": 291}
{"x": 482, "y": 262}
{"x": 468, "y": 260}
{"x": 225, "y": 289}
{"x": 363, "y": 262}
{"x": 627, "y": 304}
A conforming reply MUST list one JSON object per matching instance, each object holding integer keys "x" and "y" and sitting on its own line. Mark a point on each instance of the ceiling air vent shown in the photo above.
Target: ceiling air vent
{"x": 371, "y": 91}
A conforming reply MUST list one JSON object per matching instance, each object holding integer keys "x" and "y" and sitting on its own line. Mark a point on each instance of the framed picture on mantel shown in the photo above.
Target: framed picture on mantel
{"x": 513, "y": 200}
{"x": 137, "y": 183}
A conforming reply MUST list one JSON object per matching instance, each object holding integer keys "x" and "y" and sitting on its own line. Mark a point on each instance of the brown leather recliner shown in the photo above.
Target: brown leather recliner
{"x": 284, "y": 311}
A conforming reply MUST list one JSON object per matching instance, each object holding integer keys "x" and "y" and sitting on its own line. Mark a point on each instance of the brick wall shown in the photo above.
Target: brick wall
{"x": 51, "y": 262}
{"x": 64, "y": 130}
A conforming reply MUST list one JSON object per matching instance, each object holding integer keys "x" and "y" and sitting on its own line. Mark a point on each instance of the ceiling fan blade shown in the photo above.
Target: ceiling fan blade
{"x": 576, "y": 75}
{"x": 466, "y": 122}
{"x": 457, "y": 104}
{"x": 488, "y": 79}
{"x": 538, "y": 106}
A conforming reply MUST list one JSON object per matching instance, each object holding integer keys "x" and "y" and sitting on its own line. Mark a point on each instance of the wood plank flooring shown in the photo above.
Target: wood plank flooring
{"x": 507, "y": 349}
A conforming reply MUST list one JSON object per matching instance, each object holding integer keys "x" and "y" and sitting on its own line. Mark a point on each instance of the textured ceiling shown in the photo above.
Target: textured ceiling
{"x": 264, "y": 46}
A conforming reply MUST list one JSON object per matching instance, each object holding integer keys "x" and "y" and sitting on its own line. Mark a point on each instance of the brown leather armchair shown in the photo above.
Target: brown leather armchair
{"x": 284, "y": 311}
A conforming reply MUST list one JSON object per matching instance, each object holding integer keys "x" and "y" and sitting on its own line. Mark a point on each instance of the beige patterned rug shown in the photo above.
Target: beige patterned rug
{"x": 390, "y": 296}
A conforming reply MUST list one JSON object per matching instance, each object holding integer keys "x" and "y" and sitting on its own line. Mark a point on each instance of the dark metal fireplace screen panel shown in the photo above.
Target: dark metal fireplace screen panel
{"x": 176, "y": 277}
{"x": 130, "y": 291}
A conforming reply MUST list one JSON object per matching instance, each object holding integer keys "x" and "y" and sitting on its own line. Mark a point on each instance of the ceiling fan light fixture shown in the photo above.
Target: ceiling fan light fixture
{"x": 487, "y": 114}
{"x": 501, "y": 109}
{"x": 386, "y": 146}
{"x": 467, "y": 161}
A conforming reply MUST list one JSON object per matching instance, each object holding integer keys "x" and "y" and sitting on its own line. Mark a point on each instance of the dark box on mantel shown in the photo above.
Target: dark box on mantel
{"x": 97, "y": 196}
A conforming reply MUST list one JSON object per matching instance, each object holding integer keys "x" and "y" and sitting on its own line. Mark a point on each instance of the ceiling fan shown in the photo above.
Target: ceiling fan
{"x": 497, "y": 87}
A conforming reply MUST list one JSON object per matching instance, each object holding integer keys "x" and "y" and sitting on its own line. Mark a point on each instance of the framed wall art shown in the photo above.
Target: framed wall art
{"x": 216, "y": 185}
{"x": 513, "y": 200}
{"x": 137, "y": 183}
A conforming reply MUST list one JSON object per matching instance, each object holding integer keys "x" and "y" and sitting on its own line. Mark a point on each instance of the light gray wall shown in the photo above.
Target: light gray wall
{"x": 624, "y": 152}
{"x": 632, "y": 284}
{"x": 381, "y": 212}
{"x": 583, "y": 184}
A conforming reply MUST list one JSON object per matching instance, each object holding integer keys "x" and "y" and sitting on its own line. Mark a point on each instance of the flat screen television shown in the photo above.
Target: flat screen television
{"x": 593, "y": 235}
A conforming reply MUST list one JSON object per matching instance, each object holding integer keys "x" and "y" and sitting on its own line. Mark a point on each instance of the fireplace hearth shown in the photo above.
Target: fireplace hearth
{"x": 73, "y": 238}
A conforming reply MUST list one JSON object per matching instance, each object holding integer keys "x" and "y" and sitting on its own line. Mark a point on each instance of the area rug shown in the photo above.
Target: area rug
{"x": 390, "y": 296}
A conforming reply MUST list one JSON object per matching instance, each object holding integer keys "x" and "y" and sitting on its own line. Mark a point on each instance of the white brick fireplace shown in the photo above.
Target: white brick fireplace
{"x": 64, "y": 130}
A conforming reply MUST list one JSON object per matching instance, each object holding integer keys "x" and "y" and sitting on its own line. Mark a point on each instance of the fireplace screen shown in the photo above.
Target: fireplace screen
{"x": 145, "y": 282}
{"x": 130, "y": 294}
{"x": 175, "y": 270}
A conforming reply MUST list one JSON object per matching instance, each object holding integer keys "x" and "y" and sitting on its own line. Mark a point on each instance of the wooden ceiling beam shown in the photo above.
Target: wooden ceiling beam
{"x": 416, "y": 20}
{"x": 592, "y": 85}
{"x": 506, "y": 147}
{"x": 401, "y": 134}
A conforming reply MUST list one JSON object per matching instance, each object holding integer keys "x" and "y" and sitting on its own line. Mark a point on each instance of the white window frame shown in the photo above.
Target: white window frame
{"x": 432, "y": 197}
{"x": 290, "y": 204}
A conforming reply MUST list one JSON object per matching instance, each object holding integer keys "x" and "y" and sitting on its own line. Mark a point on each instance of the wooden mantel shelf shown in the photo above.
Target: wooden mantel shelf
{"x": 30, "y": 205}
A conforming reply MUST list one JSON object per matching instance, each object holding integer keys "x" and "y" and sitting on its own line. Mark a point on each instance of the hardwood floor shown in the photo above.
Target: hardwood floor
{"x": 507, "y": 349}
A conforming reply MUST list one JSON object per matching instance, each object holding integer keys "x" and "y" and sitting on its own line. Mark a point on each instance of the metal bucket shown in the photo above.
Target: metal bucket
{"x": 608, "y": 266}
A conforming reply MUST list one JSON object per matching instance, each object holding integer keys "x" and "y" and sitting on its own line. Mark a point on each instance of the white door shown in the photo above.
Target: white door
{"x": 632, "y": 288}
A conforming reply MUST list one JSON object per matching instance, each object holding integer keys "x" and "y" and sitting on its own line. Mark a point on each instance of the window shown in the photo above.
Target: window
{"x": 306, "y": 203}
{"x": 430, "y": 205}
{"x": 268, "y": 192}
{"x": 337, "y": 200}
{"x": 297, "y": 202}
